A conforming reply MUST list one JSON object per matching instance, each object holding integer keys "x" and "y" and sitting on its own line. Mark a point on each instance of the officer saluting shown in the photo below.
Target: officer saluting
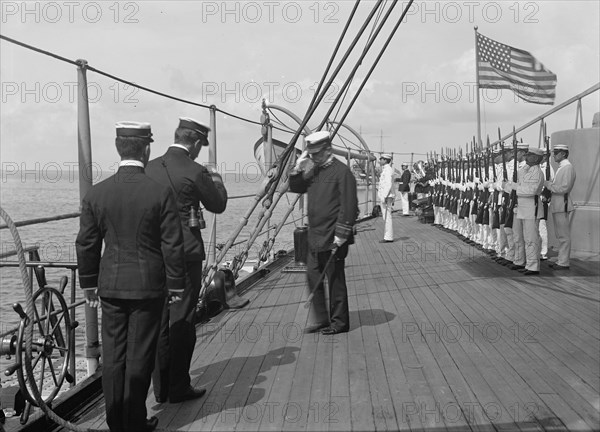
{"x": 332, "y": 212}
{"x": 192, "y": 184}
{"x": 136, "y": 219}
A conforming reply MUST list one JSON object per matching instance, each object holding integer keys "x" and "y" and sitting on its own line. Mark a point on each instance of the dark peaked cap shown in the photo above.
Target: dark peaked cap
{"x": 196, "y": 126}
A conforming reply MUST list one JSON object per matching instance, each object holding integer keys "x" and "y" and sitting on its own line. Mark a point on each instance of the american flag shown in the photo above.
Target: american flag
{"x": 504, "y": 67}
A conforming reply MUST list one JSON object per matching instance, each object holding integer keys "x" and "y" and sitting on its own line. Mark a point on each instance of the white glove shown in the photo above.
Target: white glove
{"x": 338, "y": 241}
{"x": 301, "y": 162}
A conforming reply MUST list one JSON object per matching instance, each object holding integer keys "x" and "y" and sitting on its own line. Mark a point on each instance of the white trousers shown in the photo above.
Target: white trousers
{"x": 405, "y": 206}
{"x": 544, "y": 236}
{"x": 519, "y": 239}
{"x": 562, "y": 231}
{"x": 386, "y": 209}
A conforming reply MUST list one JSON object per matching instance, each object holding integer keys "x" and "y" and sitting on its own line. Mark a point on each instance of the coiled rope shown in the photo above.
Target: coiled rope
{"x": 29, "y": 329}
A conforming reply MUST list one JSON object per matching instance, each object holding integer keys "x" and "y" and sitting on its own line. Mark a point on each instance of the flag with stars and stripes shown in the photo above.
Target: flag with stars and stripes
{"x": 504, "y": 67}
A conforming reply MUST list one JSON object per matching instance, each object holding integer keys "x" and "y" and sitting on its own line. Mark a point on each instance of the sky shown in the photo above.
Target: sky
{"x": 231, "y": 54}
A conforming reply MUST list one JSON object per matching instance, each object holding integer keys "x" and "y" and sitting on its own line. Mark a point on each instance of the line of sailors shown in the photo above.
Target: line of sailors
{"x": 501, "y": 217}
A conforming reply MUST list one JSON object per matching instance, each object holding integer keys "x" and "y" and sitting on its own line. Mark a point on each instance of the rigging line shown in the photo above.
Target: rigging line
{"x": 312, "y": 108}
{"x": 39, "y": 50}
{"x": 290, "y": 129}
{"x": 77, "y": 63}
{"x": 358, "y": 64}
{"x": 387, "y": 42}
{"x": 335, "y": 51}
{"x": 169, "y": 96}
{"x": 369, "y": 38}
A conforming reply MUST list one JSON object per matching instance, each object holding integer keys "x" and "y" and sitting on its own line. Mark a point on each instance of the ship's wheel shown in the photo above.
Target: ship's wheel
{"x": 51, "y": 347}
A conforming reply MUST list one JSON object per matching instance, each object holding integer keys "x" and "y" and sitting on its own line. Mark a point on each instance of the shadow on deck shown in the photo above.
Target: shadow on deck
{"x": 442, "y": 339}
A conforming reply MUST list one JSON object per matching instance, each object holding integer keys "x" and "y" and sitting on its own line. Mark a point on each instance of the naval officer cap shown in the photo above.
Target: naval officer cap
{"x": 317, "y": 141}
{"x": 386, "y": 156}
{"x": 195, "y": 125}
{"x": 560, "y": 147}
{"x": 134, "y": 129}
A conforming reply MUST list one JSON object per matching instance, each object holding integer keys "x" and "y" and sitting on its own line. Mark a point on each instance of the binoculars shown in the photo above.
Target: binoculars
{"x": 196, "y": 219}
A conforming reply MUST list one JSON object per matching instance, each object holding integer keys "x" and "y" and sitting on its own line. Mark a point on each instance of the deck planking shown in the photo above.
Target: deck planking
{"x": 441, "y": 339}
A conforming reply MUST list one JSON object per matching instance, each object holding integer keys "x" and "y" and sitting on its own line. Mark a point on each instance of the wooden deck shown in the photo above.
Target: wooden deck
{"x": 442, "y": 339}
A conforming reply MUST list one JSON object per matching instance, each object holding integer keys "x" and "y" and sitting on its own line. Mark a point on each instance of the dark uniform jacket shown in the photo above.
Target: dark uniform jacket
{"x": 192, "y": 183}
{"x": 404, "y": 181}
{"x": 332, "y": 203}
{"x": 137, "y": 220}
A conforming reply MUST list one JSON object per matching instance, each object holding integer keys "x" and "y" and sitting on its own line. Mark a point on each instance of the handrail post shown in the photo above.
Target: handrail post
{"x": 212, "y": 161}
{"x": 268, "y": 149}
{"x": 84, "y": 145}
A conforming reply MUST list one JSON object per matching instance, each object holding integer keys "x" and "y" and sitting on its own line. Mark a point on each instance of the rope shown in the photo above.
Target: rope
{"x": 124, "y": 81}
{"x": 29, "y": 329}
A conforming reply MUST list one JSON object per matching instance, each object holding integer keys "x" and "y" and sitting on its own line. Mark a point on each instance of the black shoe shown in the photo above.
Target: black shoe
{"x": 531, "y": 272}
{"x": 151, "y": 424}
{"x": 332, "y": 331}
{"x": 315, "y": 328}
{"x": 516, "y": 267}
{"x": 190, "y": 394}
{"x": 160, "y": 399}
{"x": 386, "y": 241}
{"x": 558, "y": 267}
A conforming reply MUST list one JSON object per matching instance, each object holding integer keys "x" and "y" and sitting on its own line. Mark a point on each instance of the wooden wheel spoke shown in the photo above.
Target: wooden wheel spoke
{"x": 48, "y": 311}
{"x": 62, "y": 315}
{"x": 35, "y": 362}
{"x": 37, "y": 318}
{"x": 53, "y": 372}
{"x": 42, "y": 371}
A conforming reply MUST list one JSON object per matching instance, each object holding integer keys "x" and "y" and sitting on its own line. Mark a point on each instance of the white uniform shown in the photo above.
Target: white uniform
{"x": 527, "y": 214}
{"x": 561, "y": 206}
{"x": 386, "y": 194}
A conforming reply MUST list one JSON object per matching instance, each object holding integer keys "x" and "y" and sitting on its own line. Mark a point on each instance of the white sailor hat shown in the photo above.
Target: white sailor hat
{"x": 536, "y": 151}
{"x": 134, "y": 129}
{"x": 560, "y": 147}
{"x": 404, "y": 164}
{"x": 522, "y": 146}
{"x": 195, "y": 125}
{"x": 386, "y": 156}
{"x": 316, "y": 141}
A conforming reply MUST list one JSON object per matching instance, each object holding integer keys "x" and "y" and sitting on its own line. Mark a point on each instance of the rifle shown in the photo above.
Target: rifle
{"x": 476, "y": 191}
{"x": 505, "y": 195}
{"x": 546, "y": 194}
{"x": 483, "y": 212}
{"x": 513, "y": 194}
{"x": 496, "y": 213}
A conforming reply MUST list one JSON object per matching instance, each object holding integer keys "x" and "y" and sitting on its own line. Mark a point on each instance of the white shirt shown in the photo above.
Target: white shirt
{"x": 386, "y": 189}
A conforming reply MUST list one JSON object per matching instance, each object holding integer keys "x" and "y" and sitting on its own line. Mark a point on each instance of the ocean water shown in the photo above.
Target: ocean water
{"x": 51, "y": 195}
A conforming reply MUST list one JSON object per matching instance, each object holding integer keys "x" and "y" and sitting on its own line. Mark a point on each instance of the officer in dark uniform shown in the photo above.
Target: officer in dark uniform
{"x": 332, "y": 212}
{"x": 136, "y": 219}
{"x": 191, "y": 184}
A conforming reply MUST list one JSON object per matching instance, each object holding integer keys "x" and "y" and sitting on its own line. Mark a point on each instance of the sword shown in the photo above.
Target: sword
{"x": 312, "y": 293}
